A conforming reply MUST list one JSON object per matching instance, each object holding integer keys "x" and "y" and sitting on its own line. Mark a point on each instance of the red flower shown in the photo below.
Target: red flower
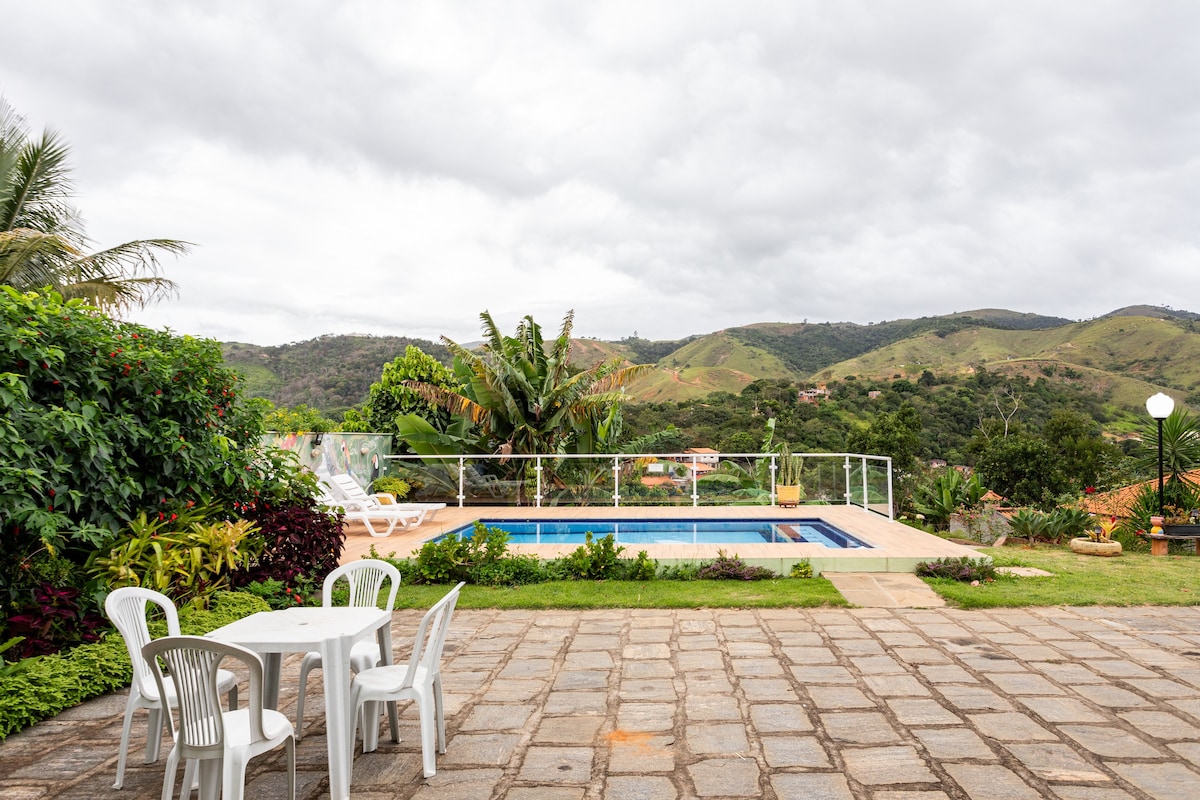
{"x": 1089, "y": 490}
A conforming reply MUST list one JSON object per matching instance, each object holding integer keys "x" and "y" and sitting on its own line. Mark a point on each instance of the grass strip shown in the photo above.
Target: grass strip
{"x": 780, "y": 593}
{"x": 1131, "y": 579}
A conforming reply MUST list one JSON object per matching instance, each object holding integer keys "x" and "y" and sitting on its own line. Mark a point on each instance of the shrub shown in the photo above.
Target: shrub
{"x": 682, "y": 571}
{"x": 595, "y": 559}
{"x": 105, "y": 420}
{"x": 732, "y": 568}
{"x": 642, "y": 568}
{"x": 53, "y": 620}
{"x": 39, "y": 688}
{"x": 188, "y": 562}
{"x": 959, "y": 569}
{"x": 279, "y": 595}
{"x": 517, "y": 570}
{"x": 453, "y": 558}
{"x": 298, "y": 539}
{"x": 802, "y": 569}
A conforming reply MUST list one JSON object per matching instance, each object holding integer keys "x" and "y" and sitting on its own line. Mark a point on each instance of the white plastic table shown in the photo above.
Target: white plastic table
{"x": 332, "y": 632}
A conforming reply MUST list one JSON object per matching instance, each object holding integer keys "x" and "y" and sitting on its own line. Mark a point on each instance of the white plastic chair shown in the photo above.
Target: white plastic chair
{"x": 221, "y": 741}
{"x": 419, "y": 680}
{"x": 126, "y": 607}
{"x": 365, "y": 579}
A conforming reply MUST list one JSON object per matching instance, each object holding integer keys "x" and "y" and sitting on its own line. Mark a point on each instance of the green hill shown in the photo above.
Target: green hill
{"x": 329, "y": 373}
{"x": 1127, "y": 354}
{"x": 1124, "y": 356}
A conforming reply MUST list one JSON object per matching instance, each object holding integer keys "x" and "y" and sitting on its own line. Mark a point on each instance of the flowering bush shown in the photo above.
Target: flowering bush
{"x": 105, "y": 421}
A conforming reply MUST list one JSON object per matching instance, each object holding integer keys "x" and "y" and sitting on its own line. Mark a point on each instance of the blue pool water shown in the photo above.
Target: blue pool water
{"x": 677, "y": 531}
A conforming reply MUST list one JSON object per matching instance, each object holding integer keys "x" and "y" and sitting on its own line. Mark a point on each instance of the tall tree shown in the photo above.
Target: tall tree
{"x": 42, "y": 239}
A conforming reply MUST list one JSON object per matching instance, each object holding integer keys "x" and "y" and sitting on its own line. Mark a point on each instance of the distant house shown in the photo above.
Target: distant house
{"x": 704, "y": 455}
{"x": 812, "y": 396}
{"x": 874, "y": 394}
{"x": 937, "y": 463}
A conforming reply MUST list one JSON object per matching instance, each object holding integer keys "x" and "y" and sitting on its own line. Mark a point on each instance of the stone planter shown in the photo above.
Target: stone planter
{"x": 1090, "y": 547}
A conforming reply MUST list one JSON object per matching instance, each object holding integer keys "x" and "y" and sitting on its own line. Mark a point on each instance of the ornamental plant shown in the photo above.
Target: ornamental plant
{"x": 790, "y": 466}
{"x": 106, "y": 420}
{"x": 1104, "y": 531}
{"x": 188, "y": 562}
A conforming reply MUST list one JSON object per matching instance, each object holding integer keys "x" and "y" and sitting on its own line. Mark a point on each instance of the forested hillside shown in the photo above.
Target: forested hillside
{"x": 1123, "y": 356}
{"x": 330, "y": 373}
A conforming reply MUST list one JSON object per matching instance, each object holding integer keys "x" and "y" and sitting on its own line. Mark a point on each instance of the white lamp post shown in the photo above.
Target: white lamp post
{"x": 1160, "y": 407}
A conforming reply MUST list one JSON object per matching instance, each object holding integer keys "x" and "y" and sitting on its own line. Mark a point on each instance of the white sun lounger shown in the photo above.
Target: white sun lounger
{"x": 359, "y": 505}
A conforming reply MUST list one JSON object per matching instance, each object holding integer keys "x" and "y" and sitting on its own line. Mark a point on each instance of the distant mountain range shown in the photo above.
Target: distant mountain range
{"x": 1129, "y": 353}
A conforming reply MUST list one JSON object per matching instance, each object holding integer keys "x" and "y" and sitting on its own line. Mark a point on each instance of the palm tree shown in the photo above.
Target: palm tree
{"x": 1180, "y": 446}
{"x": 42, "y": 241}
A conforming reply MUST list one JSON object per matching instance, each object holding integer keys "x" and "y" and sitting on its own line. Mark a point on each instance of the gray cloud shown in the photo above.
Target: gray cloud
{"x": 670, "y": 168}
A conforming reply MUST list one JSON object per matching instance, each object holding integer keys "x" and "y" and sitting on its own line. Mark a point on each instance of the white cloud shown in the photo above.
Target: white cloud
{"x": 670, "y": 168}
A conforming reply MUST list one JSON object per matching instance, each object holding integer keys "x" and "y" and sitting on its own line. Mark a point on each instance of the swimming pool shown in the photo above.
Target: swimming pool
{"x": 677, "y": 531}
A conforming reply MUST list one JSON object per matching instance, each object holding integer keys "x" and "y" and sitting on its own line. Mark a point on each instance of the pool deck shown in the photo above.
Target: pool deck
{"x": 895, "y": 547}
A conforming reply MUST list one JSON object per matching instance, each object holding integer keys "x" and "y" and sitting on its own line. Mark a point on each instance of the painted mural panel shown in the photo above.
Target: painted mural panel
{"x": 360, "y": 454}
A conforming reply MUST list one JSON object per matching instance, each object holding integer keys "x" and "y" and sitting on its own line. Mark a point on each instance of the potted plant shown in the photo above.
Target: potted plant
{"x": 788, "y": 491}
{"x": 1178, "y": 522}
{"x": 1099, "y": 541}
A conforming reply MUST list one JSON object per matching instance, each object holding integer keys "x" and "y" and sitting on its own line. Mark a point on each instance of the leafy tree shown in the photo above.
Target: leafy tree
{"x": 1024, "y": 469}
{"x": 299, "y": 419}
{"x": 1083, "y": 456}
{"x": 393, "y": 395}
{"x": 894, "y": 434}
{"x": 42, "y": 241}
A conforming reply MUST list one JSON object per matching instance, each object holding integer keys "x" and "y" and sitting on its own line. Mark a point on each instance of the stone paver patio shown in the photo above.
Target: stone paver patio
{"x": 873, "y": 703}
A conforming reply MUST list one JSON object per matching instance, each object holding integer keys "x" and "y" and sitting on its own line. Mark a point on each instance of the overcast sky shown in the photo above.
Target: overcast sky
{"x": 666, "y": 168}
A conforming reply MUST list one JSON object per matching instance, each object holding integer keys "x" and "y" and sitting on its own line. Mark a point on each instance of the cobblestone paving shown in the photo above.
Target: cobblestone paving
{"x": 881, "y": 704}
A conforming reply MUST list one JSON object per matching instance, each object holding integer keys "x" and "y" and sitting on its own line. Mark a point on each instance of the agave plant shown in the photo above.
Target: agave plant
{"x": 1067, "y": 523}
{"x": 1029, "y": 523}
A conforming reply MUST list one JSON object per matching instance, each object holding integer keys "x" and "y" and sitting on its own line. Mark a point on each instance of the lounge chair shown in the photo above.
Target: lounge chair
{"x": 480, "y": 481}
{"x": 354, "y": 498}
{"x": 371, "y": 512}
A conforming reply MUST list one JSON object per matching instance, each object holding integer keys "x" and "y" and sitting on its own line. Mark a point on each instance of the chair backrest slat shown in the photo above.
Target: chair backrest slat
{"x": 193, "y": 662}
{"x": 365, "y": 579}
{"x": 431, "y": 636}
{"x": 126, "y": 608}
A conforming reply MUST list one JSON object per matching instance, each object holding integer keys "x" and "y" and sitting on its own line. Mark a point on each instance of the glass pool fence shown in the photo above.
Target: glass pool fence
{"x": 644, "y": 479}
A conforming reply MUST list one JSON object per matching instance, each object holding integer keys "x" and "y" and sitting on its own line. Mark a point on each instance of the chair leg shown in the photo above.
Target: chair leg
{"x": 441, "y": 714}
{"x": 291, "y": 762}
{"x": 428, "y": 759}
{"x": 168, "y": 789}
{"x": 154, "y": 734}
{"x": 304, "y": 669}
{"x": 129, "y": 709}
{"x": 211, "y": 779}
{"x": 233, "y": 777}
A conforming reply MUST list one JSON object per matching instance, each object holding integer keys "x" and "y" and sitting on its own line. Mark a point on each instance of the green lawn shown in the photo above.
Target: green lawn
{"x": 1131, "y": 579}
{"x": 779, "y": 593}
